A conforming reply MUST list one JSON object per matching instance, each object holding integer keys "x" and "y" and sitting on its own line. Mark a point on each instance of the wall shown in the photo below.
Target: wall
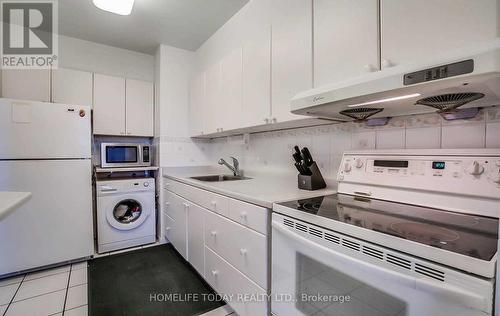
{"x": 172, "y": 76}
{"x": 89, "y": 56}
{"x": 272, "y": 150}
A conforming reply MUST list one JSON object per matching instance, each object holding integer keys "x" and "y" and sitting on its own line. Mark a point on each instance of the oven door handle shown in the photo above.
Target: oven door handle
{"x": 448, "y": 291}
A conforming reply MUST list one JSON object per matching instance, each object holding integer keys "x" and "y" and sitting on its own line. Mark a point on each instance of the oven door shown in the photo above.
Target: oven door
{"x": 314, "y": 276}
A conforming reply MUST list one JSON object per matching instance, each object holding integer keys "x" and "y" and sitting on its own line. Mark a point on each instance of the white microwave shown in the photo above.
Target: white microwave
{"x": 114, "y": 155}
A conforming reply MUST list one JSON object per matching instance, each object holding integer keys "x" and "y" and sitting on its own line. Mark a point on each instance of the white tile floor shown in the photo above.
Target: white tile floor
{"x": 57, "y": 291}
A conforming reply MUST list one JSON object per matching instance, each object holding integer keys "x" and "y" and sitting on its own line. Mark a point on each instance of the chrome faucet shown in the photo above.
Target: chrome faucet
{"x": 236, "y": 169}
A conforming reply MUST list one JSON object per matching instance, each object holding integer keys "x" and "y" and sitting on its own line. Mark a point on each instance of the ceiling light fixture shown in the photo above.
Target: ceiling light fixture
{"x": 121, "y": 7}
{"x": 409, "y": 96}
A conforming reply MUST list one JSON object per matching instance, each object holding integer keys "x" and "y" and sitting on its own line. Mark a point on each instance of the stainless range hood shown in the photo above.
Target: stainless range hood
{"x": 462, "y": 80}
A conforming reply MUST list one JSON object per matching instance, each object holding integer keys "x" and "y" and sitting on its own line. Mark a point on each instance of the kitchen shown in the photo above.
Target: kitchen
{"x": 232, "y": 157}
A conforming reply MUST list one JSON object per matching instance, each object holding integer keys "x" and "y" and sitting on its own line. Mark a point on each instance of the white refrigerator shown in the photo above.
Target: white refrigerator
{"x": 45, "y": 149}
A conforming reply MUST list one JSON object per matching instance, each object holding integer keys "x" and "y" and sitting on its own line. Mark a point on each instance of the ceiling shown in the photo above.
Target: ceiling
{"x": 180, "y": 23}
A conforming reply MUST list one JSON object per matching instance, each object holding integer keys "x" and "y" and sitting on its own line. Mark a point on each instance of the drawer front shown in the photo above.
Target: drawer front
{"x": 168, "y": 225}
{"x": 252, "y": 216}
{"x": 174, "y": 206}
{"x": 245, "y": 249}
{"x": 175, "y": 232}
{"x": 211, "y": 201}
{"x": 226, "y": 280}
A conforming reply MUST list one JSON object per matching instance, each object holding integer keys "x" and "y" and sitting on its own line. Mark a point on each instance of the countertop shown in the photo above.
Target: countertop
{"x": 264, "y": 188}
{"x": 9, "y": 201}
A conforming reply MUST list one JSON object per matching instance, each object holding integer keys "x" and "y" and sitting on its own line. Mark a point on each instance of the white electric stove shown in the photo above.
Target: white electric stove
{"x": 409, "y": 233}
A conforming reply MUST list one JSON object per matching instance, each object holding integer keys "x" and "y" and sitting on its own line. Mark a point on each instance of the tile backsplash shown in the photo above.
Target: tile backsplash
{"x": 272, "y": 150}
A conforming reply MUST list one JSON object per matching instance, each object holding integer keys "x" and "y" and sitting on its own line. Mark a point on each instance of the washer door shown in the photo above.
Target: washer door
{"x": 127, "y": 214}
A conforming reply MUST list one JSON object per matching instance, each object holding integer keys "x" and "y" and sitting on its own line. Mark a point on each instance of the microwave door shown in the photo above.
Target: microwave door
{"x": 309, "y": 276}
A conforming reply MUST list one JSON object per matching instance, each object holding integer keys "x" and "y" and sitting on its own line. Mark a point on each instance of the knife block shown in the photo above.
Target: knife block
{"x": 313, "y": 182}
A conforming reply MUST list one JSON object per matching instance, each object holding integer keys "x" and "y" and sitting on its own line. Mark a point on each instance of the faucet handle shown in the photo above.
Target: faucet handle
{"x": 236, "y": 163}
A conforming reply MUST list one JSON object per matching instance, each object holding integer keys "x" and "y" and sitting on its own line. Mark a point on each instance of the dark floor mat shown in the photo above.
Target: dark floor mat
{"x": 126, "y": 284}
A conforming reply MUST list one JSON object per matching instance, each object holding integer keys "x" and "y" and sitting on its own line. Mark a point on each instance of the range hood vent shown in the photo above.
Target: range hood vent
{"x": 361, "y": 114}
{"x": 469, "y": 78}
{"x": 451, "y": 101}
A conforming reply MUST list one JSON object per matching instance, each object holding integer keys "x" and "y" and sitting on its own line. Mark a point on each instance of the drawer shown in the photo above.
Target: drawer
{"x": 249, "y": 215}
{"x": 226, "y": 280}
{"x": 168, "y": 225}
{"x": 174, "y": 205}
{"x": 211, "y": 201}
{"x": 245, "y": 249}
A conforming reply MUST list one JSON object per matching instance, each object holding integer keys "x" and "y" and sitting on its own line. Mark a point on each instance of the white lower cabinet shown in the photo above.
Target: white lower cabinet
{"x": 224, "y": 239}
{"x": 247, "y": 298}
{"x": 242, "y": 247}
{"x": 176, "y": 208}
{"x": 196, "y": 238}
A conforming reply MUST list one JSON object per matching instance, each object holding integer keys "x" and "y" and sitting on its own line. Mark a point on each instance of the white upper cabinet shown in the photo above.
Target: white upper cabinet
{"x": 256, "y": 79}
{"x": 72, "y": 86}
{"x": 345, "y": 39}
{"x": 212, "y": 102}
{"x": 139, "y": 108}
{"x": 291, "y": 57}
{"x": 196, "y": 105}
{"x": 229, "y": 107}
{"x": 109, "y": 105}
{"x": 123, "y": 106}
{"x": 419, "y": 30}
{"x": 33, "y": 84}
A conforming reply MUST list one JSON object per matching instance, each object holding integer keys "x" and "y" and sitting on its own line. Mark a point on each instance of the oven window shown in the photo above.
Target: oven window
{"x": 121, "y": 154}
{"x": 322, "y": 290}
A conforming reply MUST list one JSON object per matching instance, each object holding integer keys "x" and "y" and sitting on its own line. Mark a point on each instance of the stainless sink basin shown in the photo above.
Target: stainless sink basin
{"x": 219, "y": 178}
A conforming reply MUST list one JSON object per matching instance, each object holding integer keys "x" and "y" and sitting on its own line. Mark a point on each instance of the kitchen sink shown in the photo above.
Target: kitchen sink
{"x": 219, "y": 178}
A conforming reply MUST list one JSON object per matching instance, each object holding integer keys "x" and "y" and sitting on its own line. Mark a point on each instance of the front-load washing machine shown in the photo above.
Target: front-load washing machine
{"x": 126, "y": 215}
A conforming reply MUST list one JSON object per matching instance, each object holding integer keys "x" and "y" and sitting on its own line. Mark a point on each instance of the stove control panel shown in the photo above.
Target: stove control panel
{"x": 441, "y": 172}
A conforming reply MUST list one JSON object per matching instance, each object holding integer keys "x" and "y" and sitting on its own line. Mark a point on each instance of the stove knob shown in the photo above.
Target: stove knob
{"x": 476, "y": 169}
{"x": 146, "y": 184}
{"x": 359, "y": 163}
{"x": 347, "y": 167}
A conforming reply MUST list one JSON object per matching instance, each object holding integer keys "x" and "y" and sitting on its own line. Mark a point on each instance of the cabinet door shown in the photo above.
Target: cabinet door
{"x": 29, "y": 84}
{"x": 256, "y": 80}
{"x": 291, "y": 54}
{"x": 196, "y": 237}
{"x": 212, "y": 84}
{"x": 345, "y": 39}
{"x": 71, "y": 86}
{"x": 109, "y": 105}
{"x": 229, "y": 107}
{"x": 414, "y": 31}
{"x": 139, "y": 108}
{"x": 196, "y": 105}
{"x": 175, "y": 208}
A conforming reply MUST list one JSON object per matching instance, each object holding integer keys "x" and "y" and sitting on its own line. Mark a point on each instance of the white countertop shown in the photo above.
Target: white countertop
{"x": 9, "y": 201}
{"x": 264, "y": 189}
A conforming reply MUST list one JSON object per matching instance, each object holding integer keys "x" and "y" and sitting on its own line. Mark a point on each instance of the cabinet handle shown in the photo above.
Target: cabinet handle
{"x": 215, "y": 272}
{"x": 167, "y": 229}
{"x": 266, "y": 120}
{"x": 243, "y": 251}
{"x": 274, "y": 120}
{"x": 370, "y": 68}
{"x": 243, "y": 215}
{"x": 386, "y": 63}
{"x": 214, "y": 204}
{"x": 129, "y": 133}
{"x": 167, "y": 204}
{"x": 213, "y": 233}
{"x": 186, "y": 205}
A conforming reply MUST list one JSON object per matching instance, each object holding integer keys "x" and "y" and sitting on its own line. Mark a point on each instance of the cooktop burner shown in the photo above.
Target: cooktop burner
{"x": 470, "y": 235}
